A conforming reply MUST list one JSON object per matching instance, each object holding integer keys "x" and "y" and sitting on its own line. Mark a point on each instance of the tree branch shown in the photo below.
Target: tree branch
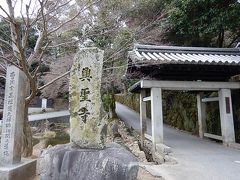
{"x": 5, "y": 42}
{"x": 39, "y": 59}
{"x": 62, "y": 44}
{"x": 8, "y": 15}
{"x": 58, "y": 7}
{"x": 52, "y": 81}
{"x": 74, "y": 17}
{"x": 2, "y": 77}
{"x": 10, "y": 62}
{"x": 3, "y": 65}
{"x": 27, "y": 27}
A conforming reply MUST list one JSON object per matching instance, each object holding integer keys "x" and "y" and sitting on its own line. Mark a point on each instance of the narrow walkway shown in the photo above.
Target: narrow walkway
{"x": 198, "y": 159}
{"x": 48, "y": 115}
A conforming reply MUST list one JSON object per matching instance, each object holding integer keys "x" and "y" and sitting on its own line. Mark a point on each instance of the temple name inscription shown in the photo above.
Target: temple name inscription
{"x": 86, "y": 116}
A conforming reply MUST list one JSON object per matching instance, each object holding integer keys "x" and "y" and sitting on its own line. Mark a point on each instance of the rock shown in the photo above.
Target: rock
{"x": 115, "y": 128}
{"x": 163, "y": 149}
{"x": 158, "y": 158}
{"x": 137, "y": 152}
{"x": 43, "y": 141}
{"x": 69, "y": 162}
{"x": 38, "y": 148}
{"x": 115, "y": 132}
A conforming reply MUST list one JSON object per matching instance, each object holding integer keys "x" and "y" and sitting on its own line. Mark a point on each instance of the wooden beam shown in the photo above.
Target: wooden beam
{"x": 189, "y": 85}
{"x": 145, "y": 99}
{"x": 156, "y": 117}
{"x": 201, "y": 115}
{"x": 226, "y": 116}
{"x": 210, "y": 99}
{"x": 213, "y": 136}
{"x": 143, "y": 116}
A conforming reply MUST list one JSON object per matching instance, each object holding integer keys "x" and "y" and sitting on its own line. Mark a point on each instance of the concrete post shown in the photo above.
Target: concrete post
{"x": 156, "y": 116}
{"x": 201, "y": 115}
{"x": 44, "y": 103}
{"x": 143, "y": 116}
{"x": 226, "y": 116}
{"x": 13, "y": 116}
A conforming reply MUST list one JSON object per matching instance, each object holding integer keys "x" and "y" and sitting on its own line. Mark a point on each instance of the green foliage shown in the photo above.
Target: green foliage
{"x": 32, "y": 39}
{"x": 213, "y": 124}
{"x": 102, "y": 41}
{"x": 109, "y": 33}
{"x": 2, "y": 80}
{"x": 122, "y": 40}
{"x": 147, "y": 9}
{"x": 66, "y": 96}
{"x": 203, "y": 22}
{"x": 180, "y": 110}
{"x": 108, "y": 101}
{"x": 130, "y": 100}
{"x": 61, "y": 138}
{"x": 44, "y": 68}
{"x": 5, "y": 33}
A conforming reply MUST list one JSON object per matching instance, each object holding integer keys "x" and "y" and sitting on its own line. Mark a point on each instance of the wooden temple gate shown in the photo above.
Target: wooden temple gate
{"x": 217, "y": 65}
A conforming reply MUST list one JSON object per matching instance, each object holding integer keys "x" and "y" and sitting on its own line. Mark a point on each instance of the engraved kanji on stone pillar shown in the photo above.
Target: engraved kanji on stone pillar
{"x": 87, "y": 125}
{"x": 13, "y": 116}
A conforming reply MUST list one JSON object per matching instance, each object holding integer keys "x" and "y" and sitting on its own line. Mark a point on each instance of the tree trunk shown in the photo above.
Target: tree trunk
{"x": 221, "y": 38}
{"x": 125, "y": 89}
{"x": 27, "y": 145}
{"x": 112, "y": 106}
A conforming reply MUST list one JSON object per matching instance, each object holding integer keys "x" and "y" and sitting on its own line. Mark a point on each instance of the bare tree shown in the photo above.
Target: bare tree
{"x": 45, "y": 17}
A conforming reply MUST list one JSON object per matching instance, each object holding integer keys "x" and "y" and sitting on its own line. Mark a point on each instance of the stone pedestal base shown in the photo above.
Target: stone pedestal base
{"x": 66, "y": 162}
{"x": 24, "y": 170}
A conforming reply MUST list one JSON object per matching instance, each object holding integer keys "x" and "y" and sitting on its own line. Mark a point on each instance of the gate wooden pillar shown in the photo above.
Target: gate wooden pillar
{"x": 143, "y": 116}
{"x": 156, "y": 116}
{"x": 201, "y": 115}
{"x": 226, "y": 116}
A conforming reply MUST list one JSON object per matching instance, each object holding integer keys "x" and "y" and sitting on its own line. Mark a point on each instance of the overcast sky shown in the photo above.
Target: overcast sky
{"x": 17, "y": 9}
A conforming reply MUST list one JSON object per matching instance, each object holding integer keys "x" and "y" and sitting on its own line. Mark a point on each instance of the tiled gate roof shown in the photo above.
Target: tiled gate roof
{"x": 184, "y": 55}
{"x": 183, "y": 63}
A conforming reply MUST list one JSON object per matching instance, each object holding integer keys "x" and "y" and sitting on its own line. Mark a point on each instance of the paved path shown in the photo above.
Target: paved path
{"x": 198, "y": 159}
{"x": 48, "y": 115}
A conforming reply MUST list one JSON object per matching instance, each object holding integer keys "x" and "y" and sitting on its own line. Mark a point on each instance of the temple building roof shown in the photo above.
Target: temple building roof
{"x": 183, "y": 63}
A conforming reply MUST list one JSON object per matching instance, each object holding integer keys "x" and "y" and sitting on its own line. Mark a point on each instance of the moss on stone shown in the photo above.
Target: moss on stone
{"x": 86, "y": 134}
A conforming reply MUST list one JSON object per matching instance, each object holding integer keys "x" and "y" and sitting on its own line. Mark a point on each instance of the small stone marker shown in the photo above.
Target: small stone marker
{"x": 87, "y": 126}
{"x": 44, "y": 103}
{"x": 13, "y": 114}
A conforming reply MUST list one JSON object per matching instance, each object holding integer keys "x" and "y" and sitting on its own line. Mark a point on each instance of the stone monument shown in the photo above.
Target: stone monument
{"x": 86, "y": 157}
{"x": 11, "y": 165}
{"x": 87, "y": 124}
